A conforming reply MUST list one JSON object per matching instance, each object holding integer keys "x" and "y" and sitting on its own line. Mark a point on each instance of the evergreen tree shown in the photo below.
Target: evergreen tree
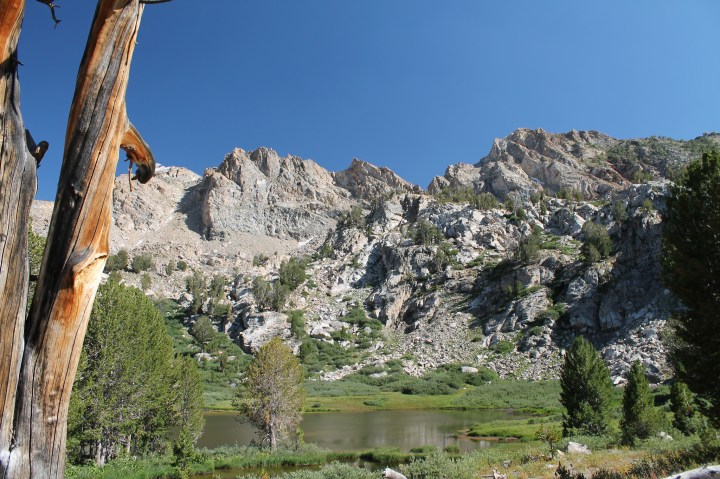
{"x": 691, "y": 260}
{"x": 197, "y": 286}
{"x": 292, "y": 273}
{"x": 681, "y": 404}
{"x": 123, "y": 400}
{"x": 203, "y": 331}
{"x": 272, "y": 397}
{"x": 586, "y": 390}
{"x": 640, "y": 419}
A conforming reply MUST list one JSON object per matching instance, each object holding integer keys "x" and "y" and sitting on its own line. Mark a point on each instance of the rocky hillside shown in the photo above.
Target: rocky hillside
{"x": 499, "y": 264}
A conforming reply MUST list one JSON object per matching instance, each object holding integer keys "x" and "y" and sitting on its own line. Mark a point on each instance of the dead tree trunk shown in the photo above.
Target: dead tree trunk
{"x": 17, "y": 189}
{"x": 705, "y": 472}
{"x": 77, "y": 246}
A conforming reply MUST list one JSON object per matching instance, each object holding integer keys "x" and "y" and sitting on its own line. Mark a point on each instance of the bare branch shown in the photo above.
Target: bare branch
{"x": 52, "y": 6}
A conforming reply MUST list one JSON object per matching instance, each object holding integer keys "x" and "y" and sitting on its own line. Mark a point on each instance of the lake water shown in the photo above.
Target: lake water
{"x": 349, "y": 431}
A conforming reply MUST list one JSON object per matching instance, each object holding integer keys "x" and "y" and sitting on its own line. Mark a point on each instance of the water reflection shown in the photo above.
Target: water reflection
{"x": 363, "y": 430}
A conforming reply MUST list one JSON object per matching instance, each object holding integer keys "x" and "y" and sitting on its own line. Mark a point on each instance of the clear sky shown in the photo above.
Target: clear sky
{"x": 414, "y": 85}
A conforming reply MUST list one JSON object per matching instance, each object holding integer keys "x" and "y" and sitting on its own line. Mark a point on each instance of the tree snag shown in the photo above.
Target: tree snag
{"x": 17, "y": 189}
{"x": 32, "y": 441}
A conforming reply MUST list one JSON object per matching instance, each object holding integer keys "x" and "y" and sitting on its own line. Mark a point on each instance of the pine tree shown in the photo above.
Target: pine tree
{"x": 122, "y": 400}
{"x": 586, "y": 390}
{"x": 681, "y": 404}
{"x": 272, "y": 397}
{"x": 189, "y": 400}
{"x": 691, "y": 260}
{"x": 640, "y": 420}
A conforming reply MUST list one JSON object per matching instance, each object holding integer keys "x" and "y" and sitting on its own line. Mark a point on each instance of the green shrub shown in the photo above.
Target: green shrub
{"x": 182, "y": 265}
{"x": 426, "y": 233}
{"x": 597, "y": 243}
{"x": 565, "y": 193}
{"x": 170, "y": 268}
{"x": 292, "y": 273}
{"x": 260, "y": 260}
{"x": 142, "y": 262}
{"x": 145, "y": 281}
{"x": 117, "y": 262}
{"x": 355, "y": 218}
{"x": 529, "y": 247}
{"x": 619, "y": 211}
{"x": 502, "y": 347}
{"x": 535, "y": 331}
{"x": 297, "y": 323}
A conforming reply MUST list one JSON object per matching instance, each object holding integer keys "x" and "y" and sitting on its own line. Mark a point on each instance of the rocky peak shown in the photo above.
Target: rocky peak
{"x": 530, "y": 160}
{"x": 366, "y": 181}
{"x": 261, "y": 193}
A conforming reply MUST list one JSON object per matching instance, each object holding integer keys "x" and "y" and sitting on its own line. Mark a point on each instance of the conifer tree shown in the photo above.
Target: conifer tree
{"x": 129, "y": 391}
{"x": 681, "y": 404}
{"x": 640, "y": 420}
{"x": 691, "y": 260}
{"x": 586, "y": 390}
{"x": 272, "y": 397}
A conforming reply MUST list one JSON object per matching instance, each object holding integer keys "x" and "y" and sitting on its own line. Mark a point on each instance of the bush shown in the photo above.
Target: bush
{"x": 529, "y": 247}
{"x": 355, "y": 218}
{"x": 597, "y": 243}
{"x": 117, "y": 262}
{"x": 170, "y": 268}
{"x": 502, "y": 347}
{"x": 182, "y": 265}
{"x": 280, "y": 295}
{"x": 569, "y": 194}
{"x": 262, "y": 291}
{"x": 292, "y": 273}
{"x": 619, "y": 211}
{"x": 142, "y": 262}
{"x": 217, "y": 287}
{"x": 426, "y": 233}
{"x": 297, "y": 323}
{"x": 260, "y": 260}
{"x": 145, "y": 282}
{"x": 535, "y": 331}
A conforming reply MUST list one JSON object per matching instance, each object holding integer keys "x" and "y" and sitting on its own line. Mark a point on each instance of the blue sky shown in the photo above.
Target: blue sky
{"x": 414, "y": 85}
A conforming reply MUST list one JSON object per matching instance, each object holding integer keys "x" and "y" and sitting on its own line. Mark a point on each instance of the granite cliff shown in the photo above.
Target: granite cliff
{"x": 488, "y": 267}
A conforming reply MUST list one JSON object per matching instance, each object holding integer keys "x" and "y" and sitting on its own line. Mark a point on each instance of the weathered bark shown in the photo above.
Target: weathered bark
{"x": 17, "y": 189}
{"x": 77, "y": 245}
{"x": 706, "y": 472}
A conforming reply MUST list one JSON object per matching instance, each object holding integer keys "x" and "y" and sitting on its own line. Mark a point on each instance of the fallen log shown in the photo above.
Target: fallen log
{"x": 705, "y": 472}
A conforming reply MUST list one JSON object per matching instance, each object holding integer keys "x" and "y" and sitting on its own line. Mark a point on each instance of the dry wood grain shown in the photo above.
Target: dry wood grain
{"x": 17, "y": 189}
{"x": 77, "y": 245}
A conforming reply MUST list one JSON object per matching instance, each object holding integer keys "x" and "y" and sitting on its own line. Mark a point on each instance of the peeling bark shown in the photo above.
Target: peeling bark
{"x": 77, "y": 245}
{"x": 17, "y": 189}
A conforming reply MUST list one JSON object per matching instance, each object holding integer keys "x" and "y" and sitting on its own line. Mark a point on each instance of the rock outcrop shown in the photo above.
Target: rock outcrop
{"x": 442, "y": 279}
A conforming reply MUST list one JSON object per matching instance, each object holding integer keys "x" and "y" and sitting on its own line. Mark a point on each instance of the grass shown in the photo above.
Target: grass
{"x": 538, "y": 397}
{"x": 522, "y": 429}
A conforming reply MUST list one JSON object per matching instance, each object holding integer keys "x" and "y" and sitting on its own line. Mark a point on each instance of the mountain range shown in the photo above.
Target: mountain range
{"x": 486, "y": 267}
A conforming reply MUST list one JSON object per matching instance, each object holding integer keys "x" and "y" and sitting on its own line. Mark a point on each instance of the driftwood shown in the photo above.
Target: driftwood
{"x": 35, "y": 407}
{"x": 706, "y": 472}
{"x": 390, "y": 474}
